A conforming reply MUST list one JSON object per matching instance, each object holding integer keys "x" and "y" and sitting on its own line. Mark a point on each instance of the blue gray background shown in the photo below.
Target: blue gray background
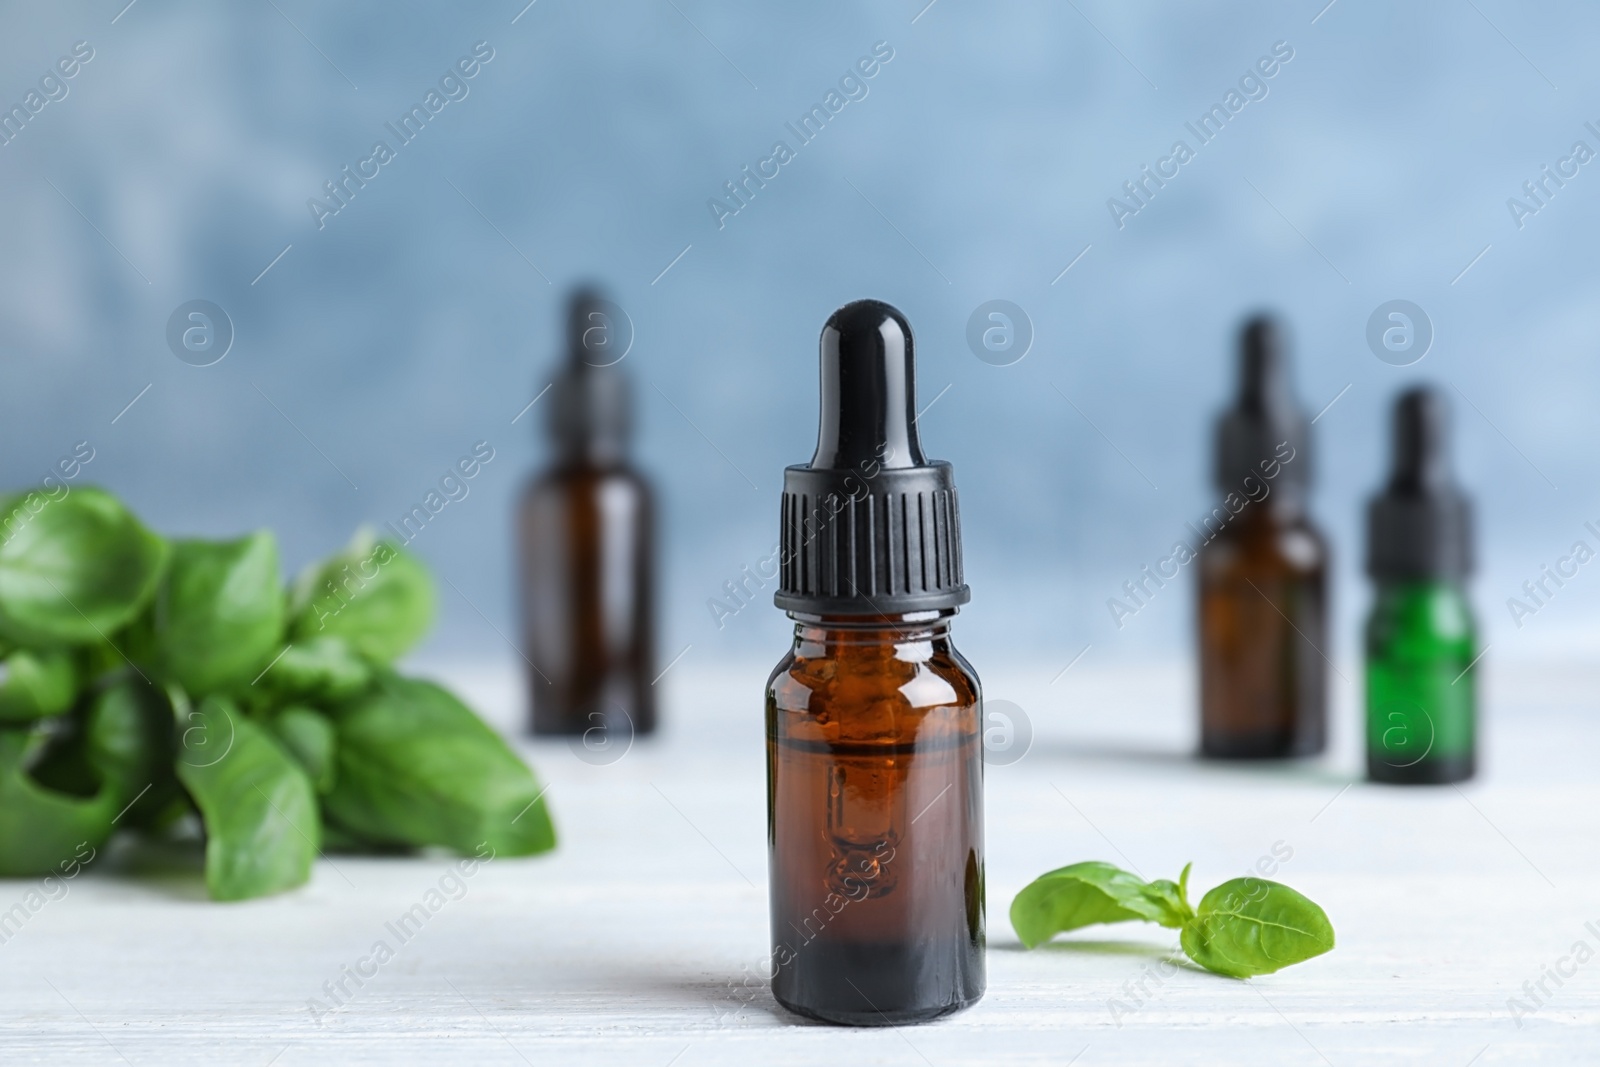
{"x": 424, "y": 316}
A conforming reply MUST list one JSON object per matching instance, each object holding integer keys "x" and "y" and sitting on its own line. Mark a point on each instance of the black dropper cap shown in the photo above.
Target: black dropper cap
{"x": 1264, "y": 418}
{"x": 870, "y": 526}
{"x": 589, "y": 413}
{"x": 1420, "y": 526}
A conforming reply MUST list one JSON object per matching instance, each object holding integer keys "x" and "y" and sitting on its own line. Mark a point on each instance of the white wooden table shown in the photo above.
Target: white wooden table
{"x": 626, "y": 945}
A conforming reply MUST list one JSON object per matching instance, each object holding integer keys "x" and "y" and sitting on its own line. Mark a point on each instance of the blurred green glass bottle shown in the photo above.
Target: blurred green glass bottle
{"x": 1421, "y": 640}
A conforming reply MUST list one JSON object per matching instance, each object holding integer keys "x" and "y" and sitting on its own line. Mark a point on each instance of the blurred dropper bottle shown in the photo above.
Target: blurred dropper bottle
{"x": 586, "y": 542}
{"x": 1421, "y": 640}
{"x": 1263, "y": 572}
{"x": 874, "y": 755}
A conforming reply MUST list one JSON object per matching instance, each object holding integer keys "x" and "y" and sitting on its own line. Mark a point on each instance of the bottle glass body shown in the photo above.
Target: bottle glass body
{"x": 585, "y": 535}
{"x": 1421, "y": 698}
{"x": 875, "y": 822}
{"x": 1263, "y": 635}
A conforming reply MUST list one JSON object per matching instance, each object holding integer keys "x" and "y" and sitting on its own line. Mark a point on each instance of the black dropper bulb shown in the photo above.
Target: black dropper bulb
{"x": 868, "y": 389}
{"x": 1420, "y": 526}
{"x": 589, "y": 414}
{"x": 1420, "y": 459}
{"x": 870, "y": 525}
{"x": 586, "y": 324}
{"x": 1263, "y": 379}
{"x": 1265, "y": 424}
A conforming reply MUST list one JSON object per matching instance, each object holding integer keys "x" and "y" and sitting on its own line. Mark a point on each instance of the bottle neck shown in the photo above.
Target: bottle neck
{"x": 1393, "y": 588}
{"x": 817, "y": 636}
{"x": 1282, "y": 506}
{"x": 593, "y": 453}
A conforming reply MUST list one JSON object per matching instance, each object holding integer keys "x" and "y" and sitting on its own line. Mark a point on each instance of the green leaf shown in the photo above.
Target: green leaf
{"x": 336, "y": 838}
{"x": 218, "y": 615}
{"x": 1172, "y": 898}
{"x": 1174, "y": 911}
{"x": 34, "y": 685}
{"x": 1250, "y": 926}
{"x": 259, "y": 809}
{"x": 73, "y": 569}
{"x": 131, "y": 743}
{"x": 323, "y": 668}
{"x": 309, "y": 737}
{"x": 1081, "y": 895}
{"x": 373, "y": 594}
{"x": 43, "y": 830}
{"x": 416, "y": 767}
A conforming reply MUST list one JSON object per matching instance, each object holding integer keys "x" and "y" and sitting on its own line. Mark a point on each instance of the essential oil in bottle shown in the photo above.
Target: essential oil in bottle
{"x": 874, "y": 753}
{"x": 1263, "y": 573}
{"x": 1421, "y": 639}
{"x": 585, "y": 532}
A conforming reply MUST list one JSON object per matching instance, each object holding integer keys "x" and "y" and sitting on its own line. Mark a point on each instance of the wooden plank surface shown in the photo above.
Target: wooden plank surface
{"x": 628, "y": 945}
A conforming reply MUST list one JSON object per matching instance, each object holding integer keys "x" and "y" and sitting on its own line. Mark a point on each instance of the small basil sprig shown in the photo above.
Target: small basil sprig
{"x": 1243, "y": 927}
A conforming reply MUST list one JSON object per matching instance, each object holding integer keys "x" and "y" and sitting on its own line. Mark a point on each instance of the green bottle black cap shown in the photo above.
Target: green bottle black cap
{"x": 870, "y": 526}
{"x": 1420, "y": 526}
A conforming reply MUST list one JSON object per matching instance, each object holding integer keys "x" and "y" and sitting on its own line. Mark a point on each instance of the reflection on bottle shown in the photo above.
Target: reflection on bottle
{"x": 861, "y": 832}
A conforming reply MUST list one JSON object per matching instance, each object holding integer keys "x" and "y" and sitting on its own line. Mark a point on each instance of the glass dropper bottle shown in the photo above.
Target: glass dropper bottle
{"x": 1263, "y": 572}
{"x": 1421, "y": 639}
{"x": 586, "y": 551}
{"x": 874, "y": 754}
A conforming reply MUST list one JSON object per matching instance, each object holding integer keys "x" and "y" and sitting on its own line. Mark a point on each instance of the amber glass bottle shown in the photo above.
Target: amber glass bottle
{"x": 586, "y": 545}
{"x": 1263, "y": 574}
{"x": 874, "y": 753}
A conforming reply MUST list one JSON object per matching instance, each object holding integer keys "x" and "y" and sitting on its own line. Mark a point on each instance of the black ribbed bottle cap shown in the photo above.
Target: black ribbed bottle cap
{"x": 870, "y": 526}
{"x": 1420, "y": 526}
{"x": 589, "y": 410}
{"x": 1264, "y": 417}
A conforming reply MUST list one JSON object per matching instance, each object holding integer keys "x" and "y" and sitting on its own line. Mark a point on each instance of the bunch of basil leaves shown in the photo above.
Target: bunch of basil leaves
{"x": 144, "y": 681}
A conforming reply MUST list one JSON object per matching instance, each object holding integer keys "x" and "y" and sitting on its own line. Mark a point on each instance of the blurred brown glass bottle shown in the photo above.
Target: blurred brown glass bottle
{"x": 586, "y": 541}
{"x": 1263, "y": 573}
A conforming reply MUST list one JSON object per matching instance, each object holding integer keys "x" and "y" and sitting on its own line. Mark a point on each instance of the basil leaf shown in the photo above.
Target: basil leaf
{"x": 59, "y": 758}
{"x": 323, "y": 668}
{"x": 131, "y": 742}
{"x": 336, "y": 838}
{"x": 218, "y": 615}
{"x": 1172, "y": 899}
{"x": 417, "y": 767}
{"x": 73, "y": 569}
{"x": 1250, "y": 926}
{"x": 259, "y": 809}
{"x": 34, "y": 685}
{"x": 1080, "y": 895}
{"x": 1173, "y": 911}
{"x": 309, "y": 738}
{"x": 43, "y": 830}
{"x": 372, "y": 594}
